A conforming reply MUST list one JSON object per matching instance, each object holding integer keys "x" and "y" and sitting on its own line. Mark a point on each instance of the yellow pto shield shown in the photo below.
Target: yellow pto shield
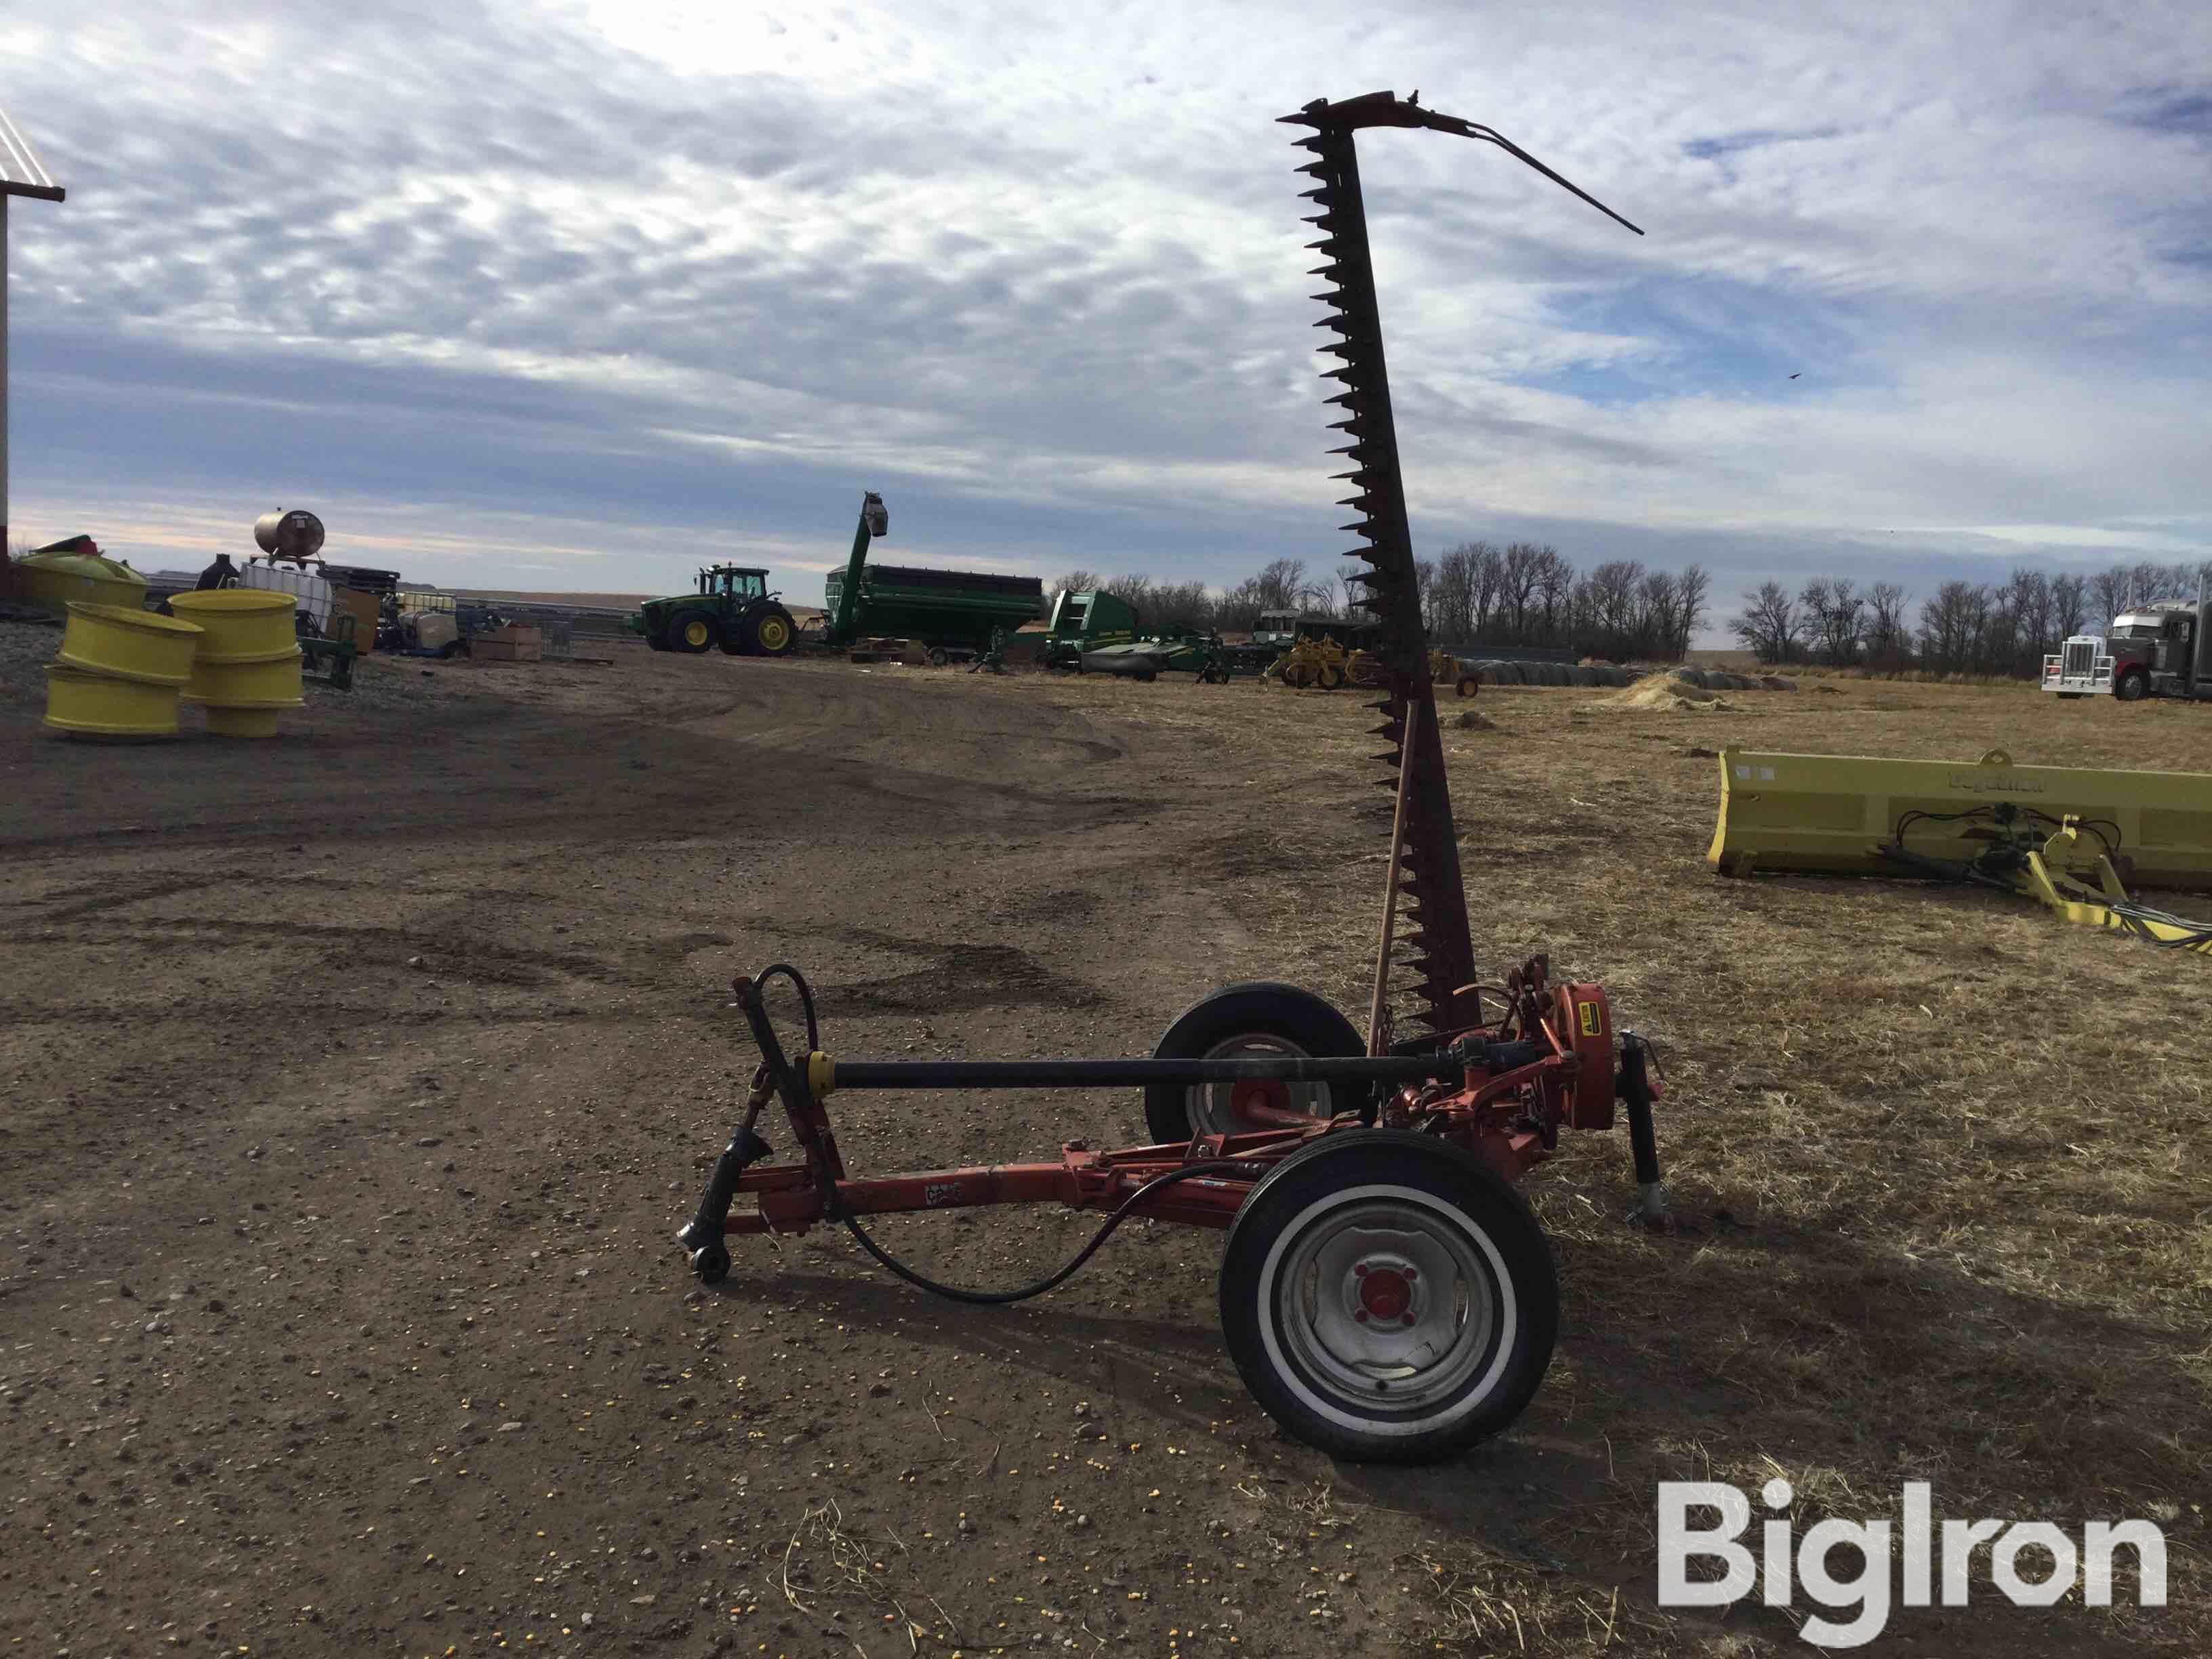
{"x": 2071, "y": 837}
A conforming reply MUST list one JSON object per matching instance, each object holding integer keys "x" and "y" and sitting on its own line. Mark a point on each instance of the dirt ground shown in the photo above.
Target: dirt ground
{"x": 354, "y": 1083}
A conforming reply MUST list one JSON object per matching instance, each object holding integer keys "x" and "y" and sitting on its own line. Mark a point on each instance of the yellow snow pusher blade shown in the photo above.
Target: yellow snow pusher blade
{"x": 2070, "y": 837}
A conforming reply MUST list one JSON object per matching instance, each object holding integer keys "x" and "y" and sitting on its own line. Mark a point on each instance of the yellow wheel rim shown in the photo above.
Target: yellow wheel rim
{"x": 695, "y": 633}
{"x": 773, "y": 634}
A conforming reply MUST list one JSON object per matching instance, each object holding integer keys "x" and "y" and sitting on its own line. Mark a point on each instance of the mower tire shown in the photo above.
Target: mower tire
{"x": 654, "y": 642}
{"x": 1248, "y": 1022}
{"x": 692, "y": 632}
{"x": 1387, "y": 1297}
{"x": 1469, "y": 684}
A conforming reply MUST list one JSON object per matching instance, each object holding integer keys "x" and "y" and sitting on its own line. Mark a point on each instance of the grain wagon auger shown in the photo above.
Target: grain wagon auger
{"x": 1385, "y": 1292}
{"x": 2071, "y": 838}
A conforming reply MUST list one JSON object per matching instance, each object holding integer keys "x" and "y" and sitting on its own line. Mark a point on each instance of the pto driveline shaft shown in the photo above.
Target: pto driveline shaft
{"x": 1104, "y": 1074}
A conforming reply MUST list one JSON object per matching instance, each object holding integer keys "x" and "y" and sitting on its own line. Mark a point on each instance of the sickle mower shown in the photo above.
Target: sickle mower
{"x": 1385, "y": 1293}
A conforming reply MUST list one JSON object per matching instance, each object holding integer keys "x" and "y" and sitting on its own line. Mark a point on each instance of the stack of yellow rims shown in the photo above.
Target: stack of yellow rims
{"x": 247, "y": 666}
{"x": 119, "y": 672}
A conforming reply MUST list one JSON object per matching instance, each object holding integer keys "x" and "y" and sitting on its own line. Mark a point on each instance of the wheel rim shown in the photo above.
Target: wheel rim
{"x": 772, "y": 633}
{"x": 1214, "y": 1109}
{"x": 695, "y": 633}
{"x": 1388, "y": 1306}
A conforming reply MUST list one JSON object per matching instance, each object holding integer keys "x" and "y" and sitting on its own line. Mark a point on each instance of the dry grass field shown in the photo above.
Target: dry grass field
{"x": 352, "y": 1087}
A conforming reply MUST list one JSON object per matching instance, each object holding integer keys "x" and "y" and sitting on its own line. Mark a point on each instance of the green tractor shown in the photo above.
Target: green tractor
{"x": 732, "y": 608}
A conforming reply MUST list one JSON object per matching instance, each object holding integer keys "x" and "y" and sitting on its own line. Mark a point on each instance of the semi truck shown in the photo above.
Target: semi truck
{"x": 2161, "y": 649}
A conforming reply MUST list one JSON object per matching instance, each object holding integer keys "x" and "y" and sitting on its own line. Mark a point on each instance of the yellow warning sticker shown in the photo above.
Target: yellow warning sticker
{"x": 1590, "y": 1026}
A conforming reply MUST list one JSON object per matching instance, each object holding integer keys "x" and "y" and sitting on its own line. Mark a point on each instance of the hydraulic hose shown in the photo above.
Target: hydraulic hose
{"x": 996, "y": 1298}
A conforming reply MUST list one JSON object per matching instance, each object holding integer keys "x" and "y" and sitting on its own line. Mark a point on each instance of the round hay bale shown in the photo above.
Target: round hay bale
{"x": 1558, "y": 673}
{"x": 1778, "y": 683}
{"x": 1587, "y": 674}
{"x": 1509, "y": 673}
{"x": 1691, "y": 677}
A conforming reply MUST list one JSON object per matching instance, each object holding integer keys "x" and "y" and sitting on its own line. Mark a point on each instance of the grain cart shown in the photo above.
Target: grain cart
{"x": 950, "y": 614}
{"x": 1385, "y": 1292}
{"x": 730, "y": 606}
{"x": 2162, "y": 649}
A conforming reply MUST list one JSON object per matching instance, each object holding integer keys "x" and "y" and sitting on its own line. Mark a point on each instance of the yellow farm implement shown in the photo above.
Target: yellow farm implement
{"x": 2071, "y": 838}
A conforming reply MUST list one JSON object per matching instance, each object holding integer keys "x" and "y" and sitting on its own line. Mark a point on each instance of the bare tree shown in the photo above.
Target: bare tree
{"x": 1658, "y": 617}
{"x": 1770, "y": 626}
{"x": 1953, "y": 626}
{"x": 1834, "y": 615}
{"x": 2108, "y": 596}
{"x": 1692, "y": 585}
{"x": 1520, "y": 570}
{"x": 2069, "y": 604}
{"x": 1347, "y": 576}
{"x": 1887, "y": 641}
{"x": 1555, "y": 579}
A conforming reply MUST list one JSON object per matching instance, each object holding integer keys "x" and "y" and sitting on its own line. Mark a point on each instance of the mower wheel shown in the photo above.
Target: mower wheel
{"x": 938, "y": 656}
{"x": 1250, "y": 1020}
{"x": 1387, "y": 1297}
{"x": 692, "y": 632}
{"x": 1469, "y": 684}
{"x": 711, "y": 1262}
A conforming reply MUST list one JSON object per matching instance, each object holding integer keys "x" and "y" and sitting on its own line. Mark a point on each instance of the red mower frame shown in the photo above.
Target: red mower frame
{"x": 1384, "y": 1290}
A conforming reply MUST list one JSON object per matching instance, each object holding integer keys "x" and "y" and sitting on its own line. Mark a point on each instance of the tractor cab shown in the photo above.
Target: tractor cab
{"x": 731, "y": 581}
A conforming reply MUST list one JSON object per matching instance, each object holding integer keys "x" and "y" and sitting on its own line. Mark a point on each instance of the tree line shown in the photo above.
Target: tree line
{"x": 2004, "y": 627}
{"x": 1477, "y": 593}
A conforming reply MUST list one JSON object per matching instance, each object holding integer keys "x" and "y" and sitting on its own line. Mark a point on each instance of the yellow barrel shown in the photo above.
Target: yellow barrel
{"x": 240, "y": 722}
{"x": 52, "y": 580}
{"x": 268, "y": 680}
{"x": 101, "y": 706}
{"x": 129, "y": 645}
{"x": 243, "y": 625}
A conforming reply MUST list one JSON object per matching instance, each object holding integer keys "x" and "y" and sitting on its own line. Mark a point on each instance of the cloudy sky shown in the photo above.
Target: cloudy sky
{"x": 573, "y": 295}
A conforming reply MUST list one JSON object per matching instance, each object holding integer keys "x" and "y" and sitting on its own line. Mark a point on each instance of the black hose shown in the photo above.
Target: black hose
{"x": 994, "y": 1298}
{"x": 806, "y": 998}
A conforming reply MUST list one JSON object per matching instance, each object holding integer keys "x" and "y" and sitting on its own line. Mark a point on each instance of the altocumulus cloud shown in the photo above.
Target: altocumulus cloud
{"x": 568, "y": 295}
